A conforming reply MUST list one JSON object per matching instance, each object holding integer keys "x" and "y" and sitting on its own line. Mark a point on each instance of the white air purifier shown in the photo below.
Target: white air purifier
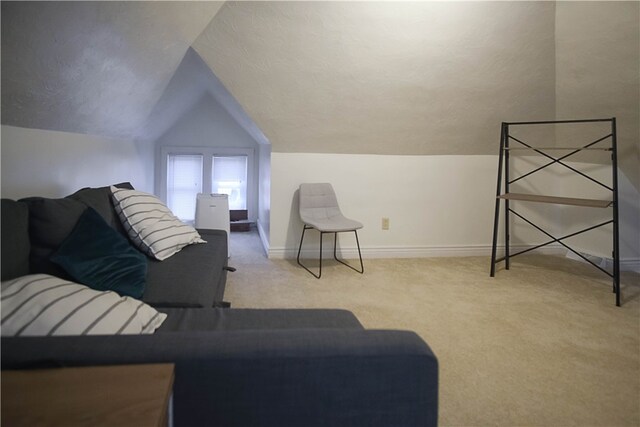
{"x": 212, "y": 212}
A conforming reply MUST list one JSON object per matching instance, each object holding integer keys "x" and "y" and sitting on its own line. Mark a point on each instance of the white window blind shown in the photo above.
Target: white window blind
{"x": 184, "y": 182}
{"x": 229, "y": 176}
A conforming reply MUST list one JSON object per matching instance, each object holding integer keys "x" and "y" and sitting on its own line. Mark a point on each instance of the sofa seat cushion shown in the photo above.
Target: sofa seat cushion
{"x": 15, "y": 239}
{"x": 224, "y": 319}
{"x": 193, "y": 277}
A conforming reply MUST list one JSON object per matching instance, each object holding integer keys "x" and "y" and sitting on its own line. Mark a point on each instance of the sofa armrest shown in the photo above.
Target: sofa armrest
{"x": 285, "y": 377}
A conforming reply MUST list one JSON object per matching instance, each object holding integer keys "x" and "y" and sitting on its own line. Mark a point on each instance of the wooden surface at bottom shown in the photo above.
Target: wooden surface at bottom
{"x": 123, "y": 395}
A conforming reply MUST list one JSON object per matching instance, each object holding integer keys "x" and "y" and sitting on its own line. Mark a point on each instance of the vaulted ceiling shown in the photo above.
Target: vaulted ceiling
{"x": 337, "y": 77}
{"x": 93, "y": 67}
{"x": 385, "y": 77}
{"x": 373, "y": 77}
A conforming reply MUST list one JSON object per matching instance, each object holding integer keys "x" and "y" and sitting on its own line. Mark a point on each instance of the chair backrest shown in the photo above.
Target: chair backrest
{"x": 318, "y": 201}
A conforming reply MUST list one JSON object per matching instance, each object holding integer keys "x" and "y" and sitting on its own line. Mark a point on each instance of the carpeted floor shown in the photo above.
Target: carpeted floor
{"x": 541, "y": 344}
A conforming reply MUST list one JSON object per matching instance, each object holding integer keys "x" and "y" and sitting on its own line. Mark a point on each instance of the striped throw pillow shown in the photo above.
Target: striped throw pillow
{"x": 43, "y": 305}
{"x": 150, "y": 224}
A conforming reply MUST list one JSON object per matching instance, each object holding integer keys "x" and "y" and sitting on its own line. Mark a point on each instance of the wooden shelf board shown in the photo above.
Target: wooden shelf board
{"x": 592, "y": 203}
{"x": 560, "y": 148}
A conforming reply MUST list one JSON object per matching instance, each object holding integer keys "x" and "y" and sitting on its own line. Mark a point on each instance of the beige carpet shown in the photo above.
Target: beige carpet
{"x": 541, "y": 344}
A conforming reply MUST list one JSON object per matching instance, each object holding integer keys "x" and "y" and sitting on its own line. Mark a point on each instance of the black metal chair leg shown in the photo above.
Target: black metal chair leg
{"x": 359, "y": 253}
{"x": 301, "y": 239}
{"x": 317, "y": 276}
{"x": 335, "y": 254}
{"x": 335, "y": 244}
{"x": 320, "y": 271}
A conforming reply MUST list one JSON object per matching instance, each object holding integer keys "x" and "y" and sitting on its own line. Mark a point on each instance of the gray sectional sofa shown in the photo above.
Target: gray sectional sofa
{"x": 49, "y": 221}
{"x": 233, "y": 367}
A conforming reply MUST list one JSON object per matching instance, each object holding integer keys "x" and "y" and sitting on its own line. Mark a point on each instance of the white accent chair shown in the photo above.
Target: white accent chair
{"x": 319, "y": 210}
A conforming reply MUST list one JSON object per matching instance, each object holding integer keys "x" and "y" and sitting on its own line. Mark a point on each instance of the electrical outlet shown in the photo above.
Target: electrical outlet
{"x": 385, "y": 223}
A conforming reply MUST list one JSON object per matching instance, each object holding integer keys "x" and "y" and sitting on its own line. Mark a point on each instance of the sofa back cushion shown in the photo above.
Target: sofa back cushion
{"x": 100, "y": 200}
{"x": 15, "y": 239}
{"x": 50, "y": 222}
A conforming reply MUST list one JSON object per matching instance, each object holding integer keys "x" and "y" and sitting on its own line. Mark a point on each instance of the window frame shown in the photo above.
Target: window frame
{"x": 207, "y": 154}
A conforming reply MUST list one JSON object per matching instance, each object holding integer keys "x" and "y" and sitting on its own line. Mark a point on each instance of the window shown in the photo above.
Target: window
{"x": 184, "y": 172}
{"x": 184, "y": 182}
{"x": 229, "y": 176}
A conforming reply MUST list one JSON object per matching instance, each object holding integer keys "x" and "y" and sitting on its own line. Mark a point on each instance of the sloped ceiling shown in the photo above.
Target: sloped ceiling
{"x": 340, "y": 77}
{"x": 385, "y": 77}
{"x": 93, "y": 67}
{"x": 192, "y": 80}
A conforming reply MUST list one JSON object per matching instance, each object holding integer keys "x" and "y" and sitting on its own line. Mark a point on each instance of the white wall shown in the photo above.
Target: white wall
{"x": 598, "y": 76}
{"x": 561, "y": 220}
{"x": 264, "y": 194}
{"x": 55, "y": 164}
{"x": 443, "y": 205}
{"x": 599, "y": 242}
{"x": 437, "y": 205}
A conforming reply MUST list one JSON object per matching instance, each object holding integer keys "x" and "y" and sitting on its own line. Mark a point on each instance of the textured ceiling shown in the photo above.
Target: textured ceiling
{"x": 342, "y": 77}
{"x": 189, "y": 83}
{"x": 385, "y": 77}
{"x": 93, "y": 67}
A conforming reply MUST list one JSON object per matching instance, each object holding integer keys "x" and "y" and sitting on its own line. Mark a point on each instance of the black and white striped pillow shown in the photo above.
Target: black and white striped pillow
{"x": 43, "y": 305}
{"x": 150, "y": 224}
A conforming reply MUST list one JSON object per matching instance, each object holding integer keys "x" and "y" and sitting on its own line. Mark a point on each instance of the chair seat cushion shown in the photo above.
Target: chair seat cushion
{"x": 333, "y": 224}
{"x": 319, "y": 209}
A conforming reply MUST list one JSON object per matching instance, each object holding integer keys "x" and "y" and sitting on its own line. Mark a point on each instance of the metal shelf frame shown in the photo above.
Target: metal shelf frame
{"x": 503, "y": 175}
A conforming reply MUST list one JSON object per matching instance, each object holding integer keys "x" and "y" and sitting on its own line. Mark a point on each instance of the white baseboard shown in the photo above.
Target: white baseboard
{"x": 263, "y": 238}
{"x": 408, "y": 251}
{"x": 630, "y": 264}
{"x": 627, "y": 264}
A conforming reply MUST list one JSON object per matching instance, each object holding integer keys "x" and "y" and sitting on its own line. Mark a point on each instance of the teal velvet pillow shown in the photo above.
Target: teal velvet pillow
{"x": 97, "y": 256}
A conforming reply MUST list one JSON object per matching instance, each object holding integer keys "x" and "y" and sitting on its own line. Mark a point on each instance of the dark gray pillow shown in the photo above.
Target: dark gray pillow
{"x": 100, "y": 200}
{"x": 15, "y": 239}
{"x": 50, "y": 222}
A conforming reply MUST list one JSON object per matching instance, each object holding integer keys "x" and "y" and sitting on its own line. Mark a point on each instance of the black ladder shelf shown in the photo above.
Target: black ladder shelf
{"x": 503, "y": 166}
